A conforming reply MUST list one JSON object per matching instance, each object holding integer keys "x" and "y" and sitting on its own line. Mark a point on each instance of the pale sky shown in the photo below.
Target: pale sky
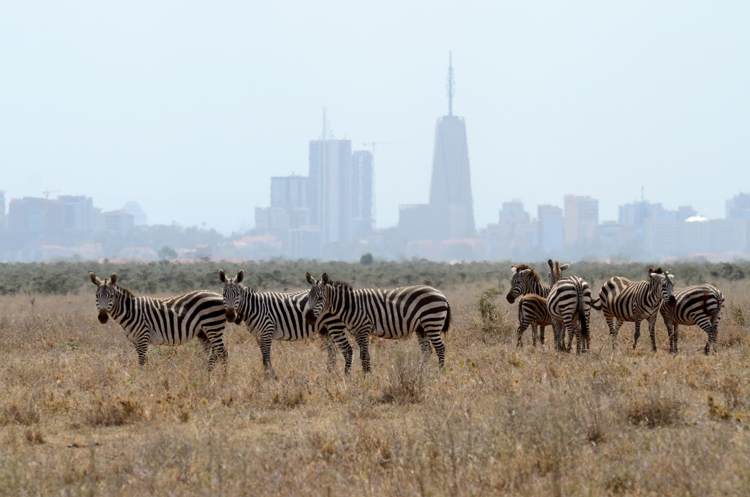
{"x": 189, "y": 108}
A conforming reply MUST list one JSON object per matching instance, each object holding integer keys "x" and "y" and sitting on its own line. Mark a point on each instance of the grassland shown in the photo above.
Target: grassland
{"x": 78, "y": 416}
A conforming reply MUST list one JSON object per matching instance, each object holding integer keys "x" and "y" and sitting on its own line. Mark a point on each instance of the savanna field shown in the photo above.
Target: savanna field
{"x": 79, "y": 416}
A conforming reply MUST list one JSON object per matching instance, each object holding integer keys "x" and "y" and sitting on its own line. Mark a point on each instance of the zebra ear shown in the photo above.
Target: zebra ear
{"x": 309, "y": 278}
{"x": 96, "y": 281}
{"x": 113, "y": 278}
{"x": 565, "y": 266}
{"x": 240, "y": 276}
{"x": 513, "y": 269}
{"x": 222, "y": 276}
{"x": 325, "y": 278}
{"x": 551, "y": 264}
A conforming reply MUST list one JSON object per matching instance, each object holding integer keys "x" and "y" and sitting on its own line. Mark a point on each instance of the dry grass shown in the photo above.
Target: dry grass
{"x": 79, "y": 416}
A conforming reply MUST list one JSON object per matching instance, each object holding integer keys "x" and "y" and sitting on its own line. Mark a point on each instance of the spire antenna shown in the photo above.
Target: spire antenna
{"x": 450, "y": 83}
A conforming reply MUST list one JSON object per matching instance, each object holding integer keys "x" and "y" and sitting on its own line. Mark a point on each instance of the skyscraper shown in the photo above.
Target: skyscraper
{"x": 450, "y": 187}
{"x": 581, "y": 218}
{"x": 3, "y": 224}
{"x": 361, "y": 192}
{"x": 329, "y": 189}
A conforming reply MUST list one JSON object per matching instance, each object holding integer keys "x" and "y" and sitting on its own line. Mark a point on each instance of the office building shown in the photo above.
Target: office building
{"x": 581, "y": 219}
{"x": 362, "y": 208}
{"x": 329, "y": 189}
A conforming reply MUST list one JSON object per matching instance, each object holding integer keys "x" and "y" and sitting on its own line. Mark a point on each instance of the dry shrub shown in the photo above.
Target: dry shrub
{"x": 34, "y": 436}
{"x": 24, "y": 411}
{"x": 168, "y": 456}
{"x": 114, "y": 412}
{"x": 405, "y": 383}
{"x": 730, "y": 336}
{"x": 731, "y": 387}
{"x": 655, "y": 411}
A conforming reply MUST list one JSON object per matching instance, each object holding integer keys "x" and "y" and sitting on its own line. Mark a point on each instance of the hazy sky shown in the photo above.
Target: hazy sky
{"x": 190, "y": 107}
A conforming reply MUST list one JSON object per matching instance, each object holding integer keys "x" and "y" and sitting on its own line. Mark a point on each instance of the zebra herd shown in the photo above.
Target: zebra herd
{"x": 566, "y": 304}
{"x": 332, "y": 308}
{"x": 329, "y": 308}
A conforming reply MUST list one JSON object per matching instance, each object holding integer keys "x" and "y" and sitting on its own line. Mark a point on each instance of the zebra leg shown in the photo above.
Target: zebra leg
{"x": 217, "y": 350}
{"x": 142, "y": 347}
{"x": 676, "y": 337}
{"x": 330, "y": 349}
{"x": 363, "y": 340}
{"x": 612, "y": 329}
{"x": 709, "y": 329}
{"x": 637, "y": 333}
{"x": 670, "y": 332}
{"x": 541, "y": 335}
{"x": 265, "y": 351}
{"x": 652, "y": 332}
{"x": 339, "y": 338}
{"x": 424, "y": 345}
{"x": 437, "y": 344}
{"x": 522, "y": 325}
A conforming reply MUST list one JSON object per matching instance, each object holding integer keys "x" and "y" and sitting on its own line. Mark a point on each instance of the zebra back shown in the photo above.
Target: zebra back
{"x": 694, "y": 305}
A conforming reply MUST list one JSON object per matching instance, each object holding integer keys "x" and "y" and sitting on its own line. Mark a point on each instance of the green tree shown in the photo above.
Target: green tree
{"x": 167, "y": 253}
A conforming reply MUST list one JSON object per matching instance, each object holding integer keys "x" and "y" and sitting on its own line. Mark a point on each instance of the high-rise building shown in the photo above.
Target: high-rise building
{"x": 289, "y": 191}
{"x": 581, "y": 218}
{"x": 738, "y": 207}
{"x": 361, "y": 193}
{"x": 329, "y": 189}
{"x": 450, "y": 186}
{"x": 3, "y": 220}
{"x": 78, "y": 213}
{"x": 36, "y": 216}
{"x": 551, "y": 230}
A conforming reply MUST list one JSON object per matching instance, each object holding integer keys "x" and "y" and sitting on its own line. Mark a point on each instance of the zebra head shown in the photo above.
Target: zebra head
{"x": 556, "y": 270}
{"x": 232, "y": 293}
{"x": 519, "y": 282}
{"x": 317, "y": 299}
{"x": 666, "y": 283}
{"x": 105, "y": 295}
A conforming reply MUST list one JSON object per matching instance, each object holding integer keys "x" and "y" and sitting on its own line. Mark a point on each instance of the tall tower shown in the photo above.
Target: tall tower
{"x": 450, "y": 187}
{"x": 329, "y": 189}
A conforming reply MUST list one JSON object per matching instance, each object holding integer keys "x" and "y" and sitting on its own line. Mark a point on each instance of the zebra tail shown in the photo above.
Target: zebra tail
{"x": 582, "y": 315}
{"x": 447, "y": 324}
{"x": 596, "y": 304}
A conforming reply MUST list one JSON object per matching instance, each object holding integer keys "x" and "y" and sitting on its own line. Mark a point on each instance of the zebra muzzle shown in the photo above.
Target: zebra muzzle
{"x": 510, "y": 298}
{"x": 231, "y": 315}
{"x": 103, "y": 316}
{"x": 310, "y": 317}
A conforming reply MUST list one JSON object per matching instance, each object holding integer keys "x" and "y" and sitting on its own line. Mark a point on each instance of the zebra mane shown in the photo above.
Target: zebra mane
{"x": 339, "y": 284}
{"x": 534, "y": 274}
{"x": 126, "y": 291}
{"x": 657, "y": 270}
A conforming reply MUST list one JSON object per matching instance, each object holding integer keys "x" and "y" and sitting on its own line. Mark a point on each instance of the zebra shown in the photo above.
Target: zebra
{"x": 568, "y": 303}
{"x": 531, "y": 311}
{"x": 622, "y": 300}
{"x": 695, "y": 305}
{"x": 164, "y": 321}
{"x": 278, "y": 316}
{"x": 391, "y": 314}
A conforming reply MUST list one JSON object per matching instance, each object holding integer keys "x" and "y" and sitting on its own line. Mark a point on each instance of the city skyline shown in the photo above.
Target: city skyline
{"x": 592, "y": 99}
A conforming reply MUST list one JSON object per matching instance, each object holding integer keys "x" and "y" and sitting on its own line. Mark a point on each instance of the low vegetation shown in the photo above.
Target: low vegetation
{"x": 78, "y": 415}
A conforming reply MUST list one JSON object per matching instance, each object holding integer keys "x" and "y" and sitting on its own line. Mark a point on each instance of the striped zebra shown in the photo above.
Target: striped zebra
{"x": 391, "y": 314}
{"x": 695, "y": 305}
{"x": 531, "y": 311}
{"x": 622, "y": 300}
{"x": 532, "y": 307}
{"x": 568, "y": 303}
{"x": 166, "y": 321}
{"x": 278, "y": 316}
